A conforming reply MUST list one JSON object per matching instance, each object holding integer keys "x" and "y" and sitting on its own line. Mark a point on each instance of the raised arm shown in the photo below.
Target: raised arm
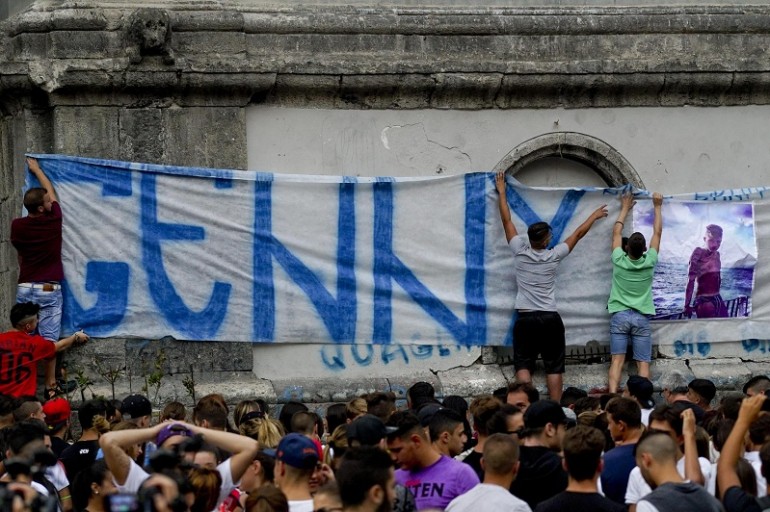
{"x": 626, "y": 204}
{"x": 657, "y": 225}
{"x": 243, "y": 448}
{"x": 583, "y": 229}
{"x": 112, "y": 444}
{"x": 35, "y": 169}
{"x": 728, "y": 459}
{"x": 692, "y": 470}
{"x": 505, "y": 212}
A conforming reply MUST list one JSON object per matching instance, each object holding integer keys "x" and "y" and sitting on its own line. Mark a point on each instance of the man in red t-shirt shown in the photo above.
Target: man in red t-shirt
{"x": 38, "y": 242}
{"x": 20, "y": 351}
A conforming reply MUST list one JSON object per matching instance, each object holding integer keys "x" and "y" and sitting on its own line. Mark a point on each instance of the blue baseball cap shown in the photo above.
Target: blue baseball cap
{"x": 297, "y": 451}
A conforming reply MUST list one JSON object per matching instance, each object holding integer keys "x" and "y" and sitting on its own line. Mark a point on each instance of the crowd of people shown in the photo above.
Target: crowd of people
{"x": 504, "y": 451}
{"x": 508, "y": 450}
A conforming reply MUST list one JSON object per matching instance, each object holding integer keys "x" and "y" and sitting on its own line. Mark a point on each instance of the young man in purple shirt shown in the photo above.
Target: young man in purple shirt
{"x": 433, "y": 479}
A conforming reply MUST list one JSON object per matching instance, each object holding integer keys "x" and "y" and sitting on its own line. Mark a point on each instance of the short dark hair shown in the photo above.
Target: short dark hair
{"x": 759, "y": 431}
{"x": 335, "y": 416}
{"x": 7, "y": 404}
{"x": 421, "y": 393}
{"x": 533, "y": 395}
{"x": 457, "y": 404}
{"x": 22, "y": 311}
{"x": 34, "y": 198}
{"x": 714, "y": 229}
{"x": 583, "y": 447}
{"x": 287, "y": 411}
{"x": 444, "y": 420}
{"x": 303, "y": 422}
{"x": 20, "y": 434}
{"x": 210, "y": 409}
{"x": 381, "y": 404}
{"x": 658, "y": 444}
{"x": 636, "y": 245}
{"x": 723, "y": 429}
{"x": 25, "y": 406}
{"x": 498, "y": 423}
{"x": 669, "y": 414}
{"x": 626, "y": 410}
{"x": 538, "y": 232}
{"x": 405, "y": 423}
{"x": 571, "y": 395}
{"x": 361, "y": 469}
{"x": 173, "y": 411}
{"x": 501, "y": 452}
{"x": 90, "y": 409}
{"x": 588, "y": 403}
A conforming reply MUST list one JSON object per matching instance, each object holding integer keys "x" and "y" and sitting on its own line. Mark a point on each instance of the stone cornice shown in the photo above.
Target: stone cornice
{"x": 369, "y": 57}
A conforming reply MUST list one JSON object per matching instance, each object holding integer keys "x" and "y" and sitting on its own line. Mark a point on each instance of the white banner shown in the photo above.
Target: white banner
{"x": 215, "y": 254}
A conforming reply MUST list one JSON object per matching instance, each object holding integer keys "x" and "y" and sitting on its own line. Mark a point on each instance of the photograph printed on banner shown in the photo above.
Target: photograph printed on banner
{"x": 708, "y": 252}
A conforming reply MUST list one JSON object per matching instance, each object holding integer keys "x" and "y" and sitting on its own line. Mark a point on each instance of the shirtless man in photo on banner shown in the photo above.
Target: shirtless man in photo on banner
{"x": 538, "y": 328}
{"x": 706, "y": 272}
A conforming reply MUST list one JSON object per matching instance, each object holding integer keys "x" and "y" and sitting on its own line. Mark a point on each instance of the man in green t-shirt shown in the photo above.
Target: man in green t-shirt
{"x": 630, "y": 302}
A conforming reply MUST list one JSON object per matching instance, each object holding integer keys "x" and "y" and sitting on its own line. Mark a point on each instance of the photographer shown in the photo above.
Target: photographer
{"x": 129, "y": 476}
{"x": 27, "y": 458}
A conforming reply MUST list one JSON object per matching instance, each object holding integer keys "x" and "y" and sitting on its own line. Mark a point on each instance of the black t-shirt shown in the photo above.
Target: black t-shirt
{"x": 588, "y": 502}
{"x": 474, "y": 460}
{"x": 738, "y": 500}
{"x": 541, "y": 475}
{"x": 58, "y": 445}
{"x": 78, "y": 457}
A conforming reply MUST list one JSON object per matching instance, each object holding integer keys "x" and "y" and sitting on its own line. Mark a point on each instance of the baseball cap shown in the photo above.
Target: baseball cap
{"x": 641, "y": 388}
{"x": 542, "y": 412}
{"x": 297, "y": 451}
{"x": 367, "y": 430}
{"x": 57, "y": 412}
{"x": 172, "y": 430}
{"x": 704, "y": 388}
{"x": 135, "y": 406}
{"x": 427, "y": 412}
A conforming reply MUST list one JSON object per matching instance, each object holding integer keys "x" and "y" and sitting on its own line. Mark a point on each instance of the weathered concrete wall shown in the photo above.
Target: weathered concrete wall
{"x": 396, "y": 88}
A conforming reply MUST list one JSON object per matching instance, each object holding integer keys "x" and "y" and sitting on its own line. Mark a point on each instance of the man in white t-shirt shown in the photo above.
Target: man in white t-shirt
{"x": 678, "y": 421}
{"x": 538, "y": 328}
{"x": 295, "y": 460}
{"x": 501, "y": 463}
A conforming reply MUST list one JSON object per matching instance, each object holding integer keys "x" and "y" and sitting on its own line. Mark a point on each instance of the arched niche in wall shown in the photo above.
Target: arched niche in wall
{"x": 581, "y": 153}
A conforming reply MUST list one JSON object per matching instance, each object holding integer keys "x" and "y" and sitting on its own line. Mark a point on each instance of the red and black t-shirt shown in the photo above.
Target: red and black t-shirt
{"x": 19, "y": 355}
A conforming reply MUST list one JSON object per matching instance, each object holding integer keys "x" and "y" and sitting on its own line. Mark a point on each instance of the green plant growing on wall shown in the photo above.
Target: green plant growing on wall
{"x": 154, "y": 380}
{"x": 189, "y": 384}
{"x": 109, "y": 373}
{"x": 84, "y": 382}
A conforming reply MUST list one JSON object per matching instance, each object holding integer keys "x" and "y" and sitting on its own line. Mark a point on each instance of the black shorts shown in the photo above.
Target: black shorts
{"x": 536, "y": 333}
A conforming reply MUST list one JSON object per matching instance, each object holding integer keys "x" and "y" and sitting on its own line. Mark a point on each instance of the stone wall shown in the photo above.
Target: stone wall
{"x": 74, "y": 80}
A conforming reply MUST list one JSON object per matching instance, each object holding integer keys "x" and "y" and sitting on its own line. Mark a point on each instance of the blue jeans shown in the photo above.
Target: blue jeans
{"x": 49, "y": 319}
{"x": 630, "y": 326}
